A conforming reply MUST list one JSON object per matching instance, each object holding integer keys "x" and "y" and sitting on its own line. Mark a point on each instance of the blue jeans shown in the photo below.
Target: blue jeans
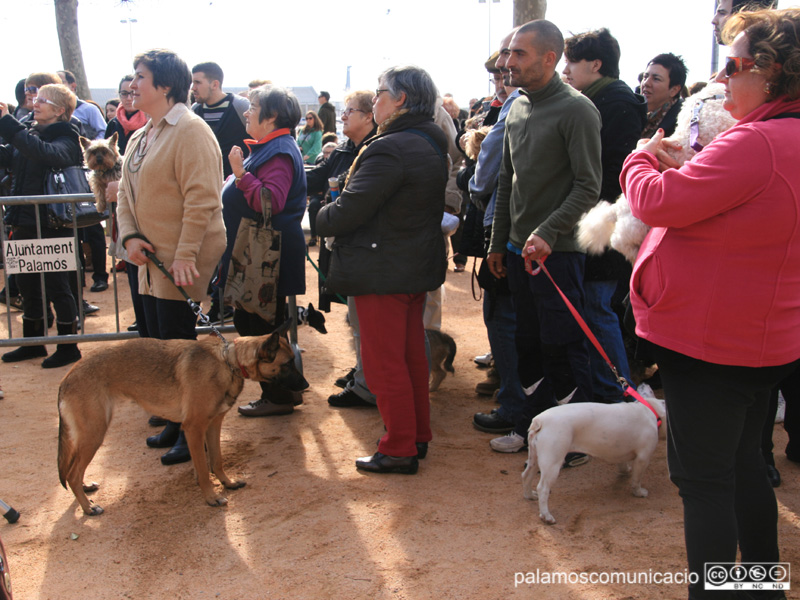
{"x": 604, "y": 323}
{"x": 500, "y": 320}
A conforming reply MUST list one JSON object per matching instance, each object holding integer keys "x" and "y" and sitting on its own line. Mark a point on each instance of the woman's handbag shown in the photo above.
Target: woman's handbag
{"x": 255, "y": 262}
{"x": 70, "y": 180}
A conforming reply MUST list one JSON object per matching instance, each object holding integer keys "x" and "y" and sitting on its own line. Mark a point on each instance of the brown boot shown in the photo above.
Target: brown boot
{"x": 490, "y": 384}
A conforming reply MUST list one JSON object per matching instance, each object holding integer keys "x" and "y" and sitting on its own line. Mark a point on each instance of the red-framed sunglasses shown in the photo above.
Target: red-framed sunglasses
{"x": 736, "y": 64}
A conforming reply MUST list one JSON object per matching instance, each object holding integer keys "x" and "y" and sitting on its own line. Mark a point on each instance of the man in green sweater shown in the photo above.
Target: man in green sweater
{"x": 550, "y": 176}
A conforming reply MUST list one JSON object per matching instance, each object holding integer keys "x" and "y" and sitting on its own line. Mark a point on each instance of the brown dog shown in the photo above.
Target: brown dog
{"x": 190, "y": 382}
{"x": 103, "y": 160}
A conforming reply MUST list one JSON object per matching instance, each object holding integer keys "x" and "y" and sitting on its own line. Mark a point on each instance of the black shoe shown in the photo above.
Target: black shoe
{"x": 348, "y": 399}
{"x": 312, "y": 242}
{"x": 774, "y": 476}
{"x": 179, "y": 453}
{"x": 133, "y": 327}
{"x": 422, "y": 450}
{"x": 24, "y": 353}
{"x": 99, "y": 286}
{"x": 575, "y": 459}
{"x": 345, "y": 379}
{"x": 155, "y": 421}
{"x": 167, "y": 438}
{"x": 381, "y": 463}
{"x": 227, "y": 315}
{"x": 65, "y": 354}
{"x": 491, "y": 423}
{"x": 88, "y": 309}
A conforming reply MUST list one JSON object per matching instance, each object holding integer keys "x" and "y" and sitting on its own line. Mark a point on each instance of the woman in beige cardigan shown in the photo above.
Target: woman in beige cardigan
{"x": 169, "y": 204}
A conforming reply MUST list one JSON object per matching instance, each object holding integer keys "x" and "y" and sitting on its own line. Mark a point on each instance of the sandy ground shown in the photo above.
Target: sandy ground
{"x": 308, "y": 524}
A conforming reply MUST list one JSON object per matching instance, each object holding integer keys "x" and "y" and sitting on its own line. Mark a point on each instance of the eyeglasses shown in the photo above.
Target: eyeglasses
{"x": 349, "y": 111}
{"x": 125, "y": 94}
{"x": 736, "y": 65}
{"x": 32, "y": 90}
{"x": 379, "y": 91}
{"x": 40, "y": 100}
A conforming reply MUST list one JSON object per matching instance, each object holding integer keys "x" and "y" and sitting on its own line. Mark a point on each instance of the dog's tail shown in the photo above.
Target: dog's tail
{"x": 451, "y": 353}
{"x": 66, "y": 447}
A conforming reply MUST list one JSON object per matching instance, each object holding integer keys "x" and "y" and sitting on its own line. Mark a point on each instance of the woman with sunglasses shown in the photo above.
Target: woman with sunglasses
{"x": 310, "y": 138}
{"x": 716, "y": 289}
{"x": 127, "y": 119}
{"x": 30, "y": 152}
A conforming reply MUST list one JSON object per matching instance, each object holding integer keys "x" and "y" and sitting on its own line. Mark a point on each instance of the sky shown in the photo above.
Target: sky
{"x": 313, "y": 42}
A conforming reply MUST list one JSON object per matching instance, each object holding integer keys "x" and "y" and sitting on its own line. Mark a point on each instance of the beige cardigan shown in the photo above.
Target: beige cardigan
{"x": 176, "y": 203}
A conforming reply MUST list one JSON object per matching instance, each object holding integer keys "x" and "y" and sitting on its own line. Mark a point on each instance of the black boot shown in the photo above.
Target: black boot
{"x": 179, "y": 453}
{"x": 65, "y": 354}
{"x": 167, "y": 437}
{"x": 30, "y": 328}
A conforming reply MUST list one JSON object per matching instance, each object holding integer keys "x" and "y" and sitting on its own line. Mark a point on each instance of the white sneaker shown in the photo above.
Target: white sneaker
{"x": 484, "y": 360}
{"x": 513, "y": 442}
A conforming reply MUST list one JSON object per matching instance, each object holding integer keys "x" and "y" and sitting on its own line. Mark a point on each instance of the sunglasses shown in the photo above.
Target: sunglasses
{"x": 125, "y": 94}
{"x": 32, "y": 90}
{"x": 736, "y": 64}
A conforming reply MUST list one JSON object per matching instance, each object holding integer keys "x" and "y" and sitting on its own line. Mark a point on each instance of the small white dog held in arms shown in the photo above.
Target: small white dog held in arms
{"x": 625, "y": 433}
{"x": 702, "y": 118}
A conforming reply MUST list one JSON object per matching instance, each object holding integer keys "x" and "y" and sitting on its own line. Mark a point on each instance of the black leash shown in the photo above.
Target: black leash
{"x": 196, "y": 308}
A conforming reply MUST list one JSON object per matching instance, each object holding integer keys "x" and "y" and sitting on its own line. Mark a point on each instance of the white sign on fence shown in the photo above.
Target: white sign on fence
{"x": 40, "y": 256}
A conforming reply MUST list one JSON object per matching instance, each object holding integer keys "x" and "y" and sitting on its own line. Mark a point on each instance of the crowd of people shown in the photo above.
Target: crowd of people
{"x": 516, "y": 171}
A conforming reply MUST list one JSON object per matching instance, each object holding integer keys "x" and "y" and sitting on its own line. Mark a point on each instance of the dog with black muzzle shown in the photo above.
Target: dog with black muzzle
{"x": 186, "y": 381}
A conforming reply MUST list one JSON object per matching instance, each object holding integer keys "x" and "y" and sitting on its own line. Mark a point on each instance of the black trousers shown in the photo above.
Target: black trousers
{"x": 715, "y": 415}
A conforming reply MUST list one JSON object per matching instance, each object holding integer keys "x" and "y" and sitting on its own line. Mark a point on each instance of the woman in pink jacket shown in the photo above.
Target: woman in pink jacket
{"x": 716, "y": 289}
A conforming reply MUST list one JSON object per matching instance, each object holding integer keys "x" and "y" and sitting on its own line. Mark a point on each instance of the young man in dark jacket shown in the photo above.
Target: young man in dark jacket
{"x": 592, "y": 67}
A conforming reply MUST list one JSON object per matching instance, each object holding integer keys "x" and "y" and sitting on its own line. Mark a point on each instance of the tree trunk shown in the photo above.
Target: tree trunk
{"x": 528, "y": 10}
{"x": 70, "y": 43}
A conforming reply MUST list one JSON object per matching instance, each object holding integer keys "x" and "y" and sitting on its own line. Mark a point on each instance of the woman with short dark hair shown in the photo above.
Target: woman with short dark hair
{"x": 389, "y": 252}
{"x": 275, "y": 165}
{"x": 169, "y": 205}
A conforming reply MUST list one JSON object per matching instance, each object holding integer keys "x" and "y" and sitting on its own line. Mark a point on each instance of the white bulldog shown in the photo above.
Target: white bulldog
{"x": 625, "y": 433}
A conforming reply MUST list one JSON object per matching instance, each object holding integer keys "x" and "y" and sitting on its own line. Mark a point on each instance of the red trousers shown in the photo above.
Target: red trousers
{"x": 395, "y": 367}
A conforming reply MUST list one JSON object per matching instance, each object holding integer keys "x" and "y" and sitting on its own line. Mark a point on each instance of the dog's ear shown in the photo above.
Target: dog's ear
{"x": 269, "y": 348}
{"x": 113, "y": 139}
{"x": 85, "y": 142}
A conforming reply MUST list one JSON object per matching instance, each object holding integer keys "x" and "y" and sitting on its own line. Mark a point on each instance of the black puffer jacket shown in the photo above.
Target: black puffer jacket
{"x": 387, "y": 221}
{"x": 29, "y": 153}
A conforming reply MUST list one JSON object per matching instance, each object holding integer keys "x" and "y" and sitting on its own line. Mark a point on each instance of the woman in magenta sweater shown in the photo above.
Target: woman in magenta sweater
{"x": 716, "y": 289}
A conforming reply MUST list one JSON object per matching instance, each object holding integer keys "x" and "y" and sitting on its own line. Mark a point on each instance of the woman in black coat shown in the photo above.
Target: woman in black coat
{"x": 51, "y": 142}
{"x": 388, "y": 252}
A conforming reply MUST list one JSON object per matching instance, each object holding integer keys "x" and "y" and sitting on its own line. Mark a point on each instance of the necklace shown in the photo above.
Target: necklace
{"x": 140, "y": 151}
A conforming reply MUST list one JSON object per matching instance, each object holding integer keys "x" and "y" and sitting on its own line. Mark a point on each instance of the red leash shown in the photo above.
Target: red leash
{"x": 627, "y": 388}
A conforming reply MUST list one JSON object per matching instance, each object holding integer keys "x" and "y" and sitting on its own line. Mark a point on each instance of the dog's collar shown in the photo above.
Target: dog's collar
{"x": 241, "y": 372}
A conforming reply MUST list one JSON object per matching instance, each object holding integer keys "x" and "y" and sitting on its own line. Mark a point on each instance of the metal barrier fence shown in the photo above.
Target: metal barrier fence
{"x": 82, "y": 336}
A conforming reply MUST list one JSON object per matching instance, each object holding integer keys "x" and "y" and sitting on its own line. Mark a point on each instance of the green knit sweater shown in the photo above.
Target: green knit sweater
{"x": 551, "y": 170}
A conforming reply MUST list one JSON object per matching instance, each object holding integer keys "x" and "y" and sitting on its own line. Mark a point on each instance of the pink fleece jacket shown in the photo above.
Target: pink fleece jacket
{"x": 718, "y": 276}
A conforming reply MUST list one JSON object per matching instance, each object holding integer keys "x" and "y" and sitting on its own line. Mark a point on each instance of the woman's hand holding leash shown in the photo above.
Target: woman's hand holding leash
{"x": 134, "y": 246}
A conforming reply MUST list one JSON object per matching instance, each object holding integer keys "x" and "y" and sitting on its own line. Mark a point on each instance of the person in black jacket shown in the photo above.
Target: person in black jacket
{"x": 358, "y": 126}
{"x": 592, "y": 66}
{"x": 662, "y": 83}
{"x": 51, "y": 142}
{"x": 388, "y": 252}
